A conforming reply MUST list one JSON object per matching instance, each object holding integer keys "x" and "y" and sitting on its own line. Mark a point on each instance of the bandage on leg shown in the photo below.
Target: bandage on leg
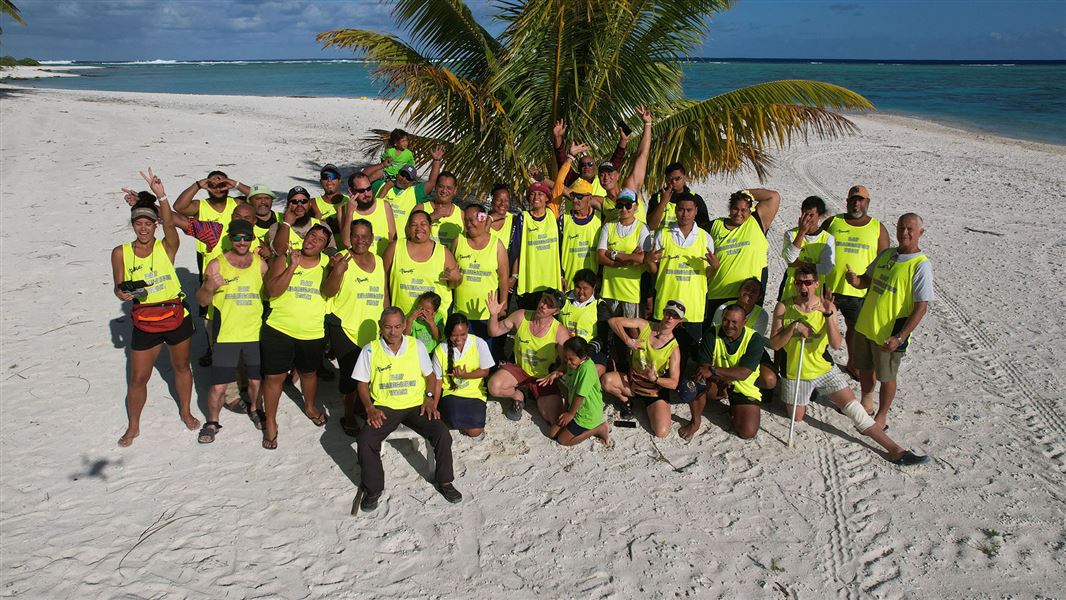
{"x": 858, "y": 416}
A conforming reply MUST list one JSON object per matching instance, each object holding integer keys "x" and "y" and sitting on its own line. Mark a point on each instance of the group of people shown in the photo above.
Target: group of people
{"x": 597, "y": 287}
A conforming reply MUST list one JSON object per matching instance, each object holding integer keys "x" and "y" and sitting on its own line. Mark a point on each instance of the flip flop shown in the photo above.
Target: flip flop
{"x": 319, "y": 420}
{"x": 271, "y": 443}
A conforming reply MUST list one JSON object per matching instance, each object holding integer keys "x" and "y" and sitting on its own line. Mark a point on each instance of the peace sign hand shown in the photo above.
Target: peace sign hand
{"x": 154, "y": 183}
{"x": 131, "y": 196}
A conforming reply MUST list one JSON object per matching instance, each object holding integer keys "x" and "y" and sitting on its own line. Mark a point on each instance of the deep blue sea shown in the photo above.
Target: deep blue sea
{"x": 1020, "y": 100}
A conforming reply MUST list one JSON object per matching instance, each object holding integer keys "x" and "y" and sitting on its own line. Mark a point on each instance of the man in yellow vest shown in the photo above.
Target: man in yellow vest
{"x": 729, "y": 367}
{"x": 326, "y": 207}
{"x": 396, "y": 385}
{"x": 586, "y": 167}
{"x": 362, "y": 204}
{"x": 233, "y": 287}
{"x": 859, "y": 238}
{"x": 900, "y": 282}
{"x": 295, "y": 224}
{"x": 807, "y": 243}
{"x": 406, "y": 191}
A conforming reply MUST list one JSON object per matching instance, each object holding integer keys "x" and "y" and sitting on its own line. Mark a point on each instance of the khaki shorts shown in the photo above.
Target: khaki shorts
{"x": 870, "y": 357}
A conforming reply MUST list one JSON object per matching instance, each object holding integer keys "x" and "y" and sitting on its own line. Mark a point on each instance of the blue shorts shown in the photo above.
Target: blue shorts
{"x": 575, "y": 429}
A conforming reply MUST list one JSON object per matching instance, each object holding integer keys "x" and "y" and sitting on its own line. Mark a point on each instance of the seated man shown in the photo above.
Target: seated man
{"x": 728, "y": 368}
{"x": 397, "y": 386}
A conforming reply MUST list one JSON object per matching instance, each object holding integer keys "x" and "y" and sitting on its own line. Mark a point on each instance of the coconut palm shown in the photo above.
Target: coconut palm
{"x": 8, "y": 8}
{"x": 492, "y": 100}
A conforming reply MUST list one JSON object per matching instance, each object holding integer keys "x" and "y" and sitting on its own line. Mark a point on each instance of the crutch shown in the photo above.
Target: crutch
{"x": 795, "y": 396}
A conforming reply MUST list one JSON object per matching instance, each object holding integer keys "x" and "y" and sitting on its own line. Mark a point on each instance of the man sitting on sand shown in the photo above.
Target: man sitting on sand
{"x": 900, "y": 282}
{"x": 396, "y": 385}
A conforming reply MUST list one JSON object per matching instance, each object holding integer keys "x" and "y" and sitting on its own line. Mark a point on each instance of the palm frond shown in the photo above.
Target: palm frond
{"x": 8, "y": 8}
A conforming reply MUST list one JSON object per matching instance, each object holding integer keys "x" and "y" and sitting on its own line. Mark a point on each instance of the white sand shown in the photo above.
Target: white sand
{"x": 81, "y": 518}
{"x": 20, "y": 72}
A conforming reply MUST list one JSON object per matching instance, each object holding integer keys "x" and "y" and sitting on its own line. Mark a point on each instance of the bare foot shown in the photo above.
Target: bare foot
{"x": 190, "y": 421}
{"x": 604, "y": 436}
{"x": 127, "y": 438}
{"x": 688, "y": 431}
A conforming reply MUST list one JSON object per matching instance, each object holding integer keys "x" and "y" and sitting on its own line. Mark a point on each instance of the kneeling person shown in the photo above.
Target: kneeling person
{"x": 396, "y": 385}
{"x": 583, "y": 414}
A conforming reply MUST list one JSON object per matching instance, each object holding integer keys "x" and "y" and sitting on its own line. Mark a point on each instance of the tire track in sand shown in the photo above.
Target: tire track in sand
{"x": 1001, "y": 375}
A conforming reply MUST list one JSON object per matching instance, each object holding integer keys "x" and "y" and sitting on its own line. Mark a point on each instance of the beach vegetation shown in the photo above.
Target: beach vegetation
{"x": 11, "y": 61}
{"x": 492, "y": 100}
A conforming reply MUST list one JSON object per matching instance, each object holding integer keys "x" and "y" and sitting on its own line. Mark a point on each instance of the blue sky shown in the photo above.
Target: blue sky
{"x": 249, "y": 29}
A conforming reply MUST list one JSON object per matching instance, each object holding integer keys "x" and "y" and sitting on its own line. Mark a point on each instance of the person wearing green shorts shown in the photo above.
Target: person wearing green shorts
{"x": 582, "y": 415}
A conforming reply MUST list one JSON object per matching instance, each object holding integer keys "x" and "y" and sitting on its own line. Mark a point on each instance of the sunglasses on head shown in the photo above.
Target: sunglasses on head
{"x": 299, "y": 201}
{"x": 241, "y": 237}
{"x": 356, "y": 190}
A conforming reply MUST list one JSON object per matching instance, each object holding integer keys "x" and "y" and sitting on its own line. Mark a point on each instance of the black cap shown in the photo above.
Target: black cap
{"x": 556, "y": 297}
{"x": 608, "y": 166}
{"x": 330, "y": 168}
{"x": 239, "y": 226}
{"x": 297, "y": 190}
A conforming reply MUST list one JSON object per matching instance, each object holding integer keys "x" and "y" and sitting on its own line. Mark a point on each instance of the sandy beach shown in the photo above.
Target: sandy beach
{"x": 20, "y": 72}
{"x": 981, "y": 390}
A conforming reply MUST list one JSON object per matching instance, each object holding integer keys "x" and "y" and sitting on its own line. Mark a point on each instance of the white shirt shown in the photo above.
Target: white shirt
{"x": 681, "y": 239}
{"x": 623, "y": 230}
{"x": 484, "y": 355}
{"x": 825, "y": 262}
{"x": 361, "y": 372}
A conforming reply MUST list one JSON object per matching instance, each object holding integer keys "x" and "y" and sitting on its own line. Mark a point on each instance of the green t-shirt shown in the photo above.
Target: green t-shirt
{"x": 585, "y": 382}
{"x": 399, "y": 159}
{"x": 420, "y": 331}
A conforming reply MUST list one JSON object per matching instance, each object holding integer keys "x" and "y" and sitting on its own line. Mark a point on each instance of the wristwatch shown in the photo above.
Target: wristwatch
{"x": 714, "y": 371}
{"x": 429, "y": 395}
{"x": 613, "y": 254}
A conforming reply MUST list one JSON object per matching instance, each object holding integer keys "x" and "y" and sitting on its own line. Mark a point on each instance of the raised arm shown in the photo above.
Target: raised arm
{"x": 766, "y": 204}
{"x": 558, "y": 131}
{"x": 434, "y": 172}
{"x": 338, "y": 264}
{"x": 496, "y": 326}
{"x": 640, "y": 163}
{"x": 185, "y": 204}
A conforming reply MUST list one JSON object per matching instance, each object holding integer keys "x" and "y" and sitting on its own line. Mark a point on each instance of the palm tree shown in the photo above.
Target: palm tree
{"x": 8, "y": 8}
{"x": 492, "y": 100}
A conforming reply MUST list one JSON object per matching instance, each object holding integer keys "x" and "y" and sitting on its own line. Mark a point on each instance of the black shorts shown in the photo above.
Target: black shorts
{"x": 347, "y": 353}
{"x": 280, "y": 352}
{"x": 463, "y": 413}
{"x": 146, "y": 341}
{"x": 575, "y": 429}
{"x": 663, "y": 396}
{"x": 849, "y": 306}
{"x": 227, "y": 355}
{"x": 736, "y": 399}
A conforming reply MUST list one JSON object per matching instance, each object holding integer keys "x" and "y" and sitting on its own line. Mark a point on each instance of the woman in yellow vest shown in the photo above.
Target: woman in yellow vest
{"x": 504, "y": 224}
{"x": 233, "y": 287}
{"x": 445, "y": 217}
{"x": 538, "y": 342}
{"x": 482, "y": 260}
{"x": 811, "y": 317}
{"x": 294, "y": 335}
{"x": 740, "y": 244}
{"x": 654, "y": 366}
{"x": 461, "y": 364}
{"x": 353, "y": 313}
{"x": 538, "y": 268}
{"x": 396, "y": 386}
{"x": 416, "y": 264}
{"x": 144, "y": 273}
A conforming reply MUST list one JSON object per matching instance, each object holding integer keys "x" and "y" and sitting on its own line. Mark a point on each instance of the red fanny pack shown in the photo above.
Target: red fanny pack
{"x": 159, "y": 317}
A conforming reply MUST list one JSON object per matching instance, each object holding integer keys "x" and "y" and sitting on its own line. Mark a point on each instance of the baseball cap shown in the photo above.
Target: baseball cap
{"x": 330, "y": 169}
{"x": 260, "y": 190}
{"x": 555, "y": 296}
{"x": 296, "y": 191}
{"x": 626, "y": 195}
{"x": 608, "y": 166}
{"x": 860, "y": 191}
{"x": 239, "y": 226}
{"x": 580, "y": 186}
{"x": 143, "y": 211}
{"x": 675, "y": 307}
{"x": 409, "y": 172}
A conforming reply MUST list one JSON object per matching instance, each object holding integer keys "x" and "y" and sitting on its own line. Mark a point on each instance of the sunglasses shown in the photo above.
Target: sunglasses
{"x": 360, "y": 190}
{"x": 624, "y": 205}
{"x": 329, "y": 176}
{"x": 240, "y": 237}
{"x": 577, "y": 196}
{"x": 586, "y": 165}
{"x": 299, "y": 201}
{"x": 806, "y": 282}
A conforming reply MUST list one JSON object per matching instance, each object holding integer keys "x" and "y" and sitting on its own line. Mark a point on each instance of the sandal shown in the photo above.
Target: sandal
{"x": 208, "y": 432}
{"x": 319, "y": 420}
{"x": 270, "y": 443}
{"x": 257, "y": 416}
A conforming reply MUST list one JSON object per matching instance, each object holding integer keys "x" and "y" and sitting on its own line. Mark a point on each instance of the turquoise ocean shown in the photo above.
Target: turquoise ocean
{"x": 1023, "y": 100}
